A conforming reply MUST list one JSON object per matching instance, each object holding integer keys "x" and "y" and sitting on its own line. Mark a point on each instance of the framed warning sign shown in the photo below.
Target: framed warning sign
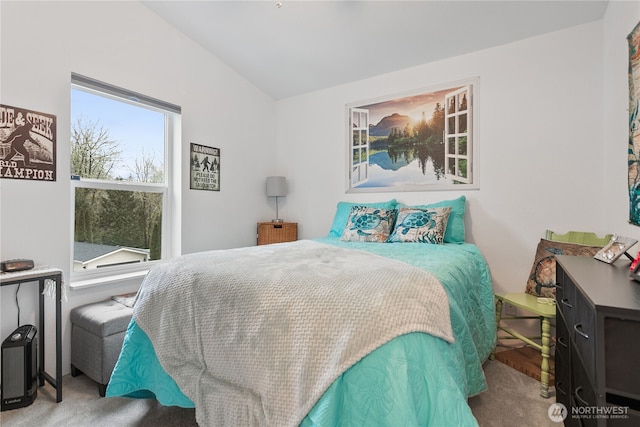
{"x": 205, "y": 168}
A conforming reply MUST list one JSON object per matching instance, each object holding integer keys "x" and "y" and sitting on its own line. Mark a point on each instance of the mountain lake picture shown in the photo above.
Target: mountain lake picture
{"x": 417, "y": 142}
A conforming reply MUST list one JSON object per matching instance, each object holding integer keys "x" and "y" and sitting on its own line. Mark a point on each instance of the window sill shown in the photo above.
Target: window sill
{"x": 107, "y": 280}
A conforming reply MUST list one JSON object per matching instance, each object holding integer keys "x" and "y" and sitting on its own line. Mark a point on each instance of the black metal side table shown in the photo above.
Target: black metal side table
{"x": 40, "y": 274}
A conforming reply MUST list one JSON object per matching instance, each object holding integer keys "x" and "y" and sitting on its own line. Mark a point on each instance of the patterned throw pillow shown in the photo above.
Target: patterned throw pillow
{"x": 368, "y": 224}
{"x": 343, "y": 210}
{"x": 455, "y": 232}
{"x": 542, "y": 279}
{"x": 421, "y": 225}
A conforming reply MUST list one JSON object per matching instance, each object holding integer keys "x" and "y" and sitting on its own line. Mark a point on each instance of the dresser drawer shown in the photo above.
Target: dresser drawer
{"x": 563, "y": 363}
{"x": 565, "y": 295}
{"x": 583, "y": 396}
{"x": 584, "y": 334}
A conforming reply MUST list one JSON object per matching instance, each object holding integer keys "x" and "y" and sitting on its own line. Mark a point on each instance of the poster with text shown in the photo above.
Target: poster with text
{"x": 205, "y": 168}
{"x": 27, "y": 144}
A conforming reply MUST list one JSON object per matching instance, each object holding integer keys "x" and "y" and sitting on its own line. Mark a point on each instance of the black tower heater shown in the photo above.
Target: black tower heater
{"x": 19, "y": 368}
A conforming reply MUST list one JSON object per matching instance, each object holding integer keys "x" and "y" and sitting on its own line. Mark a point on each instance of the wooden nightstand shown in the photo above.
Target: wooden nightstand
{"x": 277, "y": 232}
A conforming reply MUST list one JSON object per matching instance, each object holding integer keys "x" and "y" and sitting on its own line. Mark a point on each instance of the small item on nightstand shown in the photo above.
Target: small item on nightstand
{"x": 635, "y": 262}
{"x": 634, "y": 267}
{"x": 16, "y": 265}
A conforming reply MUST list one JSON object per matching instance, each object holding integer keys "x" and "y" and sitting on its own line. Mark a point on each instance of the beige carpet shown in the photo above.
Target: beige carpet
{"x": 513, "y": 399}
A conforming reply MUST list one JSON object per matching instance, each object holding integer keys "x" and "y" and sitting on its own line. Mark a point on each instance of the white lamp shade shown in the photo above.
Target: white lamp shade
{"x": 276, "y": 186}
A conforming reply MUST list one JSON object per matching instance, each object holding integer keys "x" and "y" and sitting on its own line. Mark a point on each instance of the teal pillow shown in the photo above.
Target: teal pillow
{"x": 344, "y": 210}
{"x": 455, "y": 224}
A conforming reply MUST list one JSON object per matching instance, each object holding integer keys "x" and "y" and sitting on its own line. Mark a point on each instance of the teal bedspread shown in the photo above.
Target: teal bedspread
{"x": 414, "y": 380}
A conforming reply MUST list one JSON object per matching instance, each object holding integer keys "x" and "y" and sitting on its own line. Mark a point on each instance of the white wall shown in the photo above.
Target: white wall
{"x": 541, "y": 142}
{"x": 557, "y": 161}
{"x": 125, "y": 44}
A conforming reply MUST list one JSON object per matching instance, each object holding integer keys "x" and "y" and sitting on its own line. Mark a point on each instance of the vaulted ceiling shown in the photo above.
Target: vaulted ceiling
{"x": 287, "y": 47}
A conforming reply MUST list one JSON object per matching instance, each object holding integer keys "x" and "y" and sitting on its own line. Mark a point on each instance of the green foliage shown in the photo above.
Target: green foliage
{"x": 114, "y": 217}
{"x": 422, "y": 141}
{"x": 155, "y": 245}
{"x": 119, "y": 219}
{"x": 424, "y": 133}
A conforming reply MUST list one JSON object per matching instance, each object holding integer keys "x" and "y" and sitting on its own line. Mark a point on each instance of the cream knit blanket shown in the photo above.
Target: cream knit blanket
{"x": 254, "y": 336}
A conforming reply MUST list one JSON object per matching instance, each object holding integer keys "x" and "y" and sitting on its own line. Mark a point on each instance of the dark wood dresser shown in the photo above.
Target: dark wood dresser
{"x": 597, "y": 356}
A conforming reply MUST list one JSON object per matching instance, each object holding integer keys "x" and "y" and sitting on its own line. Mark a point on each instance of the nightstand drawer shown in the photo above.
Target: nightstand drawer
{"x": 277, "y": 232}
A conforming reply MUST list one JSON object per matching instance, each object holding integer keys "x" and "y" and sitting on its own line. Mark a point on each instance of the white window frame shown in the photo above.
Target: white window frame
{"x": 452, "y": 136}
{"x": 359, "y": 125}
{"x": 168, "y": 189}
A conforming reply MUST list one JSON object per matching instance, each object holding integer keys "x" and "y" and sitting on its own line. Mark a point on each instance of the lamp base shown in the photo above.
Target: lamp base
{"x": 277, "y": 220}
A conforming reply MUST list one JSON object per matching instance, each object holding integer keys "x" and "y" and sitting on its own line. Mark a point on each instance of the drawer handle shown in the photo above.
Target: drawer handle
{"x": 560, "y": 340}
{"x": 565, "y": 302}
{"x": 559, "y": 388}
{"x": 579, "y": 398}
{"x": 277, "y": 226}
{"x": 578, "y": 328}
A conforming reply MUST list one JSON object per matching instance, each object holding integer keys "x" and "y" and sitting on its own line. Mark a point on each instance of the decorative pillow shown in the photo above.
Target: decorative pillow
{"x": 542, "y": 279}
{"x": 367, "y": 224}
{"x": 455, "y": 232}
{"x": 421, "y": 225}
{"x": 344, "y": 210}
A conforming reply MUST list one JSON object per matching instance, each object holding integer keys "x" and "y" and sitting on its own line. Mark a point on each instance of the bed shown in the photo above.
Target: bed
{"x": 286, "y": 344}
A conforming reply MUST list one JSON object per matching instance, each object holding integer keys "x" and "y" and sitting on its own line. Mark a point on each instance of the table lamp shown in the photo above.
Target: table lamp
{"x": 276, "y": 187}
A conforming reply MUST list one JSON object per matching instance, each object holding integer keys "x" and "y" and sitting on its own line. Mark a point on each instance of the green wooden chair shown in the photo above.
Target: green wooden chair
{"x": 543, "y": 310}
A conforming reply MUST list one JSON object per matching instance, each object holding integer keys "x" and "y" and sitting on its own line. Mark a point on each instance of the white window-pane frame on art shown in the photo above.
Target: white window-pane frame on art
{"x": 359, "y": 145}
{"x": 458, "y": 139}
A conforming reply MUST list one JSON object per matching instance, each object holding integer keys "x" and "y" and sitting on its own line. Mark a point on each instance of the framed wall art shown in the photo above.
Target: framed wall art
{"x": 27, "y": 144}
{"x": 205, "y": 168}
{"x": 633, "y": 151}
{"x": 422, "y": 140}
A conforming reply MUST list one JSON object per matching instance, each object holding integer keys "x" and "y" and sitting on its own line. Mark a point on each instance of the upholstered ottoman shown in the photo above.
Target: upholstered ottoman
{"x": 97, "y": 333}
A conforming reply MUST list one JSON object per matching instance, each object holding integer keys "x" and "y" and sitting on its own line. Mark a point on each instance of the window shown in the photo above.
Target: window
{"x": 121, "y": 178}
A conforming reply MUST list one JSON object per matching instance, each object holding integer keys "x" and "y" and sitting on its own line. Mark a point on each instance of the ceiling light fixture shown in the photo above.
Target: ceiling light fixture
{"x": 278, "y": 4}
